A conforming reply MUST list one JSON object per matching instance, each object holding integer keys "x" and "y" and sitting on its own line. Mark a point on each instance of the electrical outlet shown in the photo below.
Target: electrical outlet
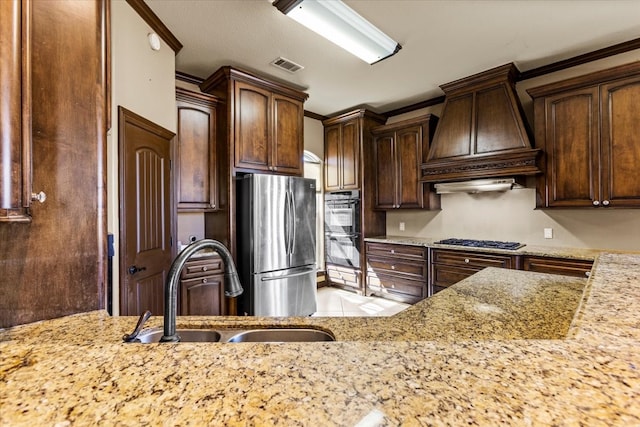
{"x": 401, "y": 226}
{"x": 548, "y": 233}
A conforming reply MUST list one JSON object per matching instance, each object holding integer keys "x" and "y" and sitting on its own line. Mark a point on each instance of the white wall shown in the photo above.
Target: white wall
{"x": 512, "y": 215}
{"x": 143, "y": 81}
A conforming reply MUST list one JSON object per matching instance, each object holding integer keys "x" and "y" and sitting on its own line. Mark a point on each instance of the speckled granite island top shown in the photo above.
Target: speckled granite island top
{"x": 512, "y": 354}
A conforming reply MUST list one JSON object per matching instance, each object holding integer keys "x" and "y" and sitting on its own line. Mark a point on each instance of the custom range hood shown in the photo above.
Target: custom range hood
{"x": 482, "y": 132}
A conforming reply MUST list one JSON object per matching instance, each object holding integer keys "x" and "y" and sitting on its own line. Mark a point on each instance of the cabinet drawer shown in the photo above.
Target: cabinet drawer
{"x": 343, "y": 276}
{"x": 399, "y": 251}
{"x": 204, "y": 266}
{"x": 472, "y": 259}
{"x": 562, "y": 266}
{"x": 444, "y": 275}
{"x": 410, "y": 269}
{"x": 396, "y": 288}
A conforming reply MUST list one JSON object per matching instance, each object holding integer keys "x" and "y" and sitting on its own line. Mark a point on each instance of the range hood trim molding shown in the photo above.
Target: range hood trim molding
{"x": 514, "y": 162}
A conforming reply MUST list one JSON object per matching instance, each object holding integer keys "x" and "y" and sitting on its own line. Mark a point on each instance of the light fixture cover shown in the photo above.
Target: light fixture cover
{"x": 340, "y": 24}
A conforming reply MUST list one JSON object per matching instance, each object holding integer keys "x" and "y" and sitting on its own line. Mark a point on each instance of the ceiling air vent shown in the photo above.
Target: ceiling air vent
{"x": 286, "y": 65}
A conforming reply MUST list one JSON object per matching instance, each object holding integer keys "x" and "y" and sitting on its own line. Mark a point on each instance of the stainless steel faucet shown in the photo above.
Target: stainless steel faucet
{"x": 232, "y": 287}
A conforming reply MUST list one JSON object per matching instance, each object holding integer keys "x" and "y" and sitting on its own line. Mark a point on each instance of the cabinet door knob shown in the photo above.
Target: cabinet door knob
{"x": 596, "y": 203}
{"x": 466, "y": 260}
{"x": 204, "y": 280}
{"x": 204, "y": 268}
{"x": 134, "y": 269}
{"x": 605, "y": 203}
{"x": 39, "y": 197}
{"x": 392, "y": 251}
{"x": 587, "y": 273}
{"x": 393, "y": 267}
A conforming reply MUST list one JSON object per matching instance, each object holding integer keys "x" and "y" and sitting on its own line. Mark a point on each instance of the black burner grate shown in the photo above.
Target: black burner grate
{"x": 494, "y": 244}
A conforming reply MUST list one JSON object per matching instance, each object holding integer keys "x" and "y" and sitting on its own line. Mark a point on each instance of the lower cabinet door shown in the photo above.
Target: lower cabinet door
{"x": 202, "y": 296}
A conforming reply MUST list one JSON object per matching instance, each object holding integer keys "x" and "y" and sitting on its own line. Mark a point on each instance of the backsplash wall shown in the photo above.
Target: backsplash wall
{"x": 512, "y": 216}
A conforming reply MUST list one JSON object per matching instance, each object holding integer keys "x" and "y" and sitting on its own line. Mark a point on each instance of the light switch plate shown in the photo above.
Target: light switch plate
{"x": 548, "y": 233}
{"x": 402, "y": 226}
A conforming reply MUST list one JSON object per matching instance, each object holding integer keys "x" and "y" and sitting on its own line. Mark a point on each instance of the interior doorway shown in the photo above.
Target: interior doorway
{"x": 145, "y": 213}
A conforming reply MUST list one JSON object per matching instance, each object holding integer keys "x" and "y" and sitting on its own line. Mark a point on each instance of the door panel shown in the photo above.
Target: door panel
{"x": 350, "y": 169}
{"x": 288, "y": 135}
{"x": 620, "y": 148}
{"x": 385, "y": 171}
{"x": 251, "y": 127}
{"x": 145, "y": 218}
{"x": 409, "y": 152}
{"x": 269, "y": 222}
{"x": 303, "y": 248}
{"x": 332, "y": 158}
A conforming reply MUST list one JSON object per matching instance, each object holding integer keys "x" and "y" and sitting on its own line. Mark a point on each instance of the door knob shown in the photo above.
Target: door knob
{"x": 133, "y": 269}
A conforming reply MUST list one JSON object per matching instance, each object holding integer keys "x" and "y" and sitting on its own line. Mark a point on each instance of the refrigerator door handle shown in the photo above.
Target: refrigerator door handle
{"x": 299, "y": 273}
{"x": 292, "y": 225}
{"x": 287, "y": 238}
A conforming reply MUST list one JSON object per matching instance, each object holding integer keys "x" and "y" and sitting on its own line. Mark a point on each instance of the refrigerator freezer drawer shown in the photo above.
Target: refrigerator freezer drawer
{"x": 284, "y": 293}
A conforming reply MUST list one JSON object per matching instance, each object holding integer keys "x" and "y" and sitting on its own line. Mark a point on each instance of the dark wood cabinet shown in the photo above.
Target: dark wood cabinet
{"x": 397, "y": 272}
{"x": 265, "y": 121}
{"x": 348, "y": 146}
{"x": 450, "y": 266}
{"x": 15, "y": 105}
{"x": 561, "y": 266}
{"x": 349, "y": 165}
{"x": 400, "y": 149}
{"x": 55, "y": 265}
{"x": 202, "y": 287}
{"x": 194, "y": 153}
{"x": 588, "y": 127}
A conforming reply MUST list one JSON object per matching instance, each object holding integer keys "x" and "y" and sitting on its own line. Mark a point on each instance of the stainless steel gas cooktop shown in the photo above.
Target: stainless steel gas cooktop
{"x": 494, "y": 244}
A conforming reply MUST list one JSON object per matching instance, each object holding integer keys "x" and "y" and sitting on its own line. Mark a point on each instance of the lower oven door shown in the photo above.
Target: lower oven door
{"x": 343, "y": 249}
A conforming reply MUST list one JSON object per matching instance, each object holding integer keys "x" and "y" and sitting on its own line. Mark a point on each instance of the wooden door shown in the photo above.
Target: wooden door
{"x": 572, "y": 148}
{"x": 332, "y": 158}
{"x": 385, "y": 178}
{"x": 288, "y": 116}
{"x": 145, "y": 213}
{"x": 252, "y": 120}
{"x": 620, "y": 128}
{"x": 195, "y": 153}
{"x": 409, "y": 160}
{"x": 350, "y": 155}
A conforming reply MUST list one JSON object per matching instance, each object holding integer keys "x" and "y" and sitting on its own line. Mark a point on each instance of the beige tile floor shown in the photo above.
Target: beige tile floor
{"x": 334, "y": 302}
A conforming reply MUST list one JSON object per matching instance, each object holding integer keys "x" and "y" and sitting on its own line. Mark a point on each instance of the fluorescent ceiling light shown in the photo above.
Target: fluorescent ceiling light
{"x": 340, "y": 24}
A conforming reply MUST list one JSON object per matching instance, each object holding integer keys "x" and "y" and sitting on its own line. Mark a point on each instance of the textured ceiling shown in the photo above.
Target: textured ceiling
{"x": 441, "y": 41}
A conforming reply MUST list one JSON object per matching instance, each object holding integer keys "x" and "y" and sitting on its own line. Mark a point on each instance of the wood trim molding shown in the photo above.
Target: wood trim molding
{"x": 606, "y": 52}
{"x": 156, "y": 24}
{"x": 313, "y": 115}
{"x": 539, "y": 71}
{"x": 188, "y": 78}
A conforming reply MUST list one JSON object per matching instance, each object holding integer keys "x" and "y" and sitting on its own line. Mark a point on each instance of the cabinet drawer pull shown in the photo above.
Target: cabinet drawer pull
{"x": 204, "y": 280}
{"x": 466, "y": 260}
{"x": 393, "y": 251}
{"x": 393, "y": 267}
{"x": 204, "y": 268}
{"x": 587, "y": 273}
{"x": 596, "y": 203}
{"x": 605, "y": 203}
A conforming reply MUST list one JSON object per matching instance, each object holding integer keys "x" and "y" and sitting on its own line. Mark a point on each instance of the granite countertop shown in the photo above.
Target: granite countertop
{"x": 547, "y": 251}
{"x": 502, "y": 347}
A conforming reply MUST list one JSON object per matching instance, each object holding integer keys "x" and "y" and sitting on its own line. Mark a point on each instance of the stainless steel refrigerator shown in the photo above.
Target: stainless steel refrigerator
{"x": 276, "y": 232}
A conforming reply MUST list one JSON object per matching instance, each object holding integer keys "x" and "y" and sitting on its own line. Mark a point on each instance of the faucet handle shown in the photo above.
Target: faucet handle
{"x": 141, "y": 320}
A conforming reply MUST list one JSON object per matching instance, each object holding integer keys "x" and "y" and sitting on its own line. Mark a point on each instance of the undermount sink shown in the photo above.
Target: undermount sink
{"x": 269, "y": 335}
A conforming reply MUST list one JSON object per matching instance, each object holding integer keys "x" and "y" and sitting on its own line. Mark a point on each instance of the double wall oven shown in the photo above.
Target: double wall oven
{"x": 342, "y": 228}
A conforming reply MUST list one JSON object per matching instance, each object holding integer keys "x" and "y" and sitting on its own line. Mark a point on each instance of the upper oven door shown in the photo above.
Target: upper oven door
{"x": 342, "y": 216}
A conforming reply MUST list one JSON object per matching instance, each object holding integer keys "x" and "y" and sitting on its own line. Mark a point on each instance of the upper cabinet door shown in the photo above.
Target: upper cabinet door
{"x": 350, "y": 153}
{"x": 251, "y": 127}
{"x": 572, "y": 147}
{"x": 195, "y": 152}
{"x": 332, "y": 158}
{"x": 287, "y": 145}
{"x": 408, "y": 159}
{"x": 386, "y": 190}
{"x": 619, "y": 141}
